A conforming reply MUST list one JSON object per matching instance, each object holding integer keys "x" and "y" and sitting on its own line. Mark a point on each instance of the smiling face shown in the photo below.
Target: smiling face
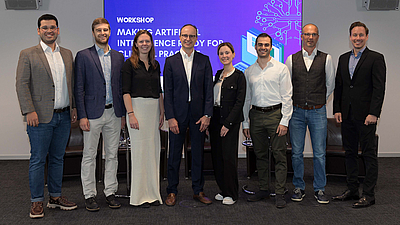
{"x": 143, "y": 44}
{"x": 188, "y": 38}
{"x": 358, "y": 38}
{"x": 310, "y": 36}
{"x": 48, "y": 31}
{"x": 101, "y": 33}
{"x": 263, "y": 47}
{"x": 225, "y": 55}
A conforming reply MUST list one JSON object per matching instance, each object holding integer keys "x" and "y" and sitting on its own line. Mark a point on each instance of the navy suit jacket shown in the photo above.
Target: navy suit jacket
{"x": 176, "y": 88}
{"x": 90, "y": 84}
{"x": 365, "y": 91}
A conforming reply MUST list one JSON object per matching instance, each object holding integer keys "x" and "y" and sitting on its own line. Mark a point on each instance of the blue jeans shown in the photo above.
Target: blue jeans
{"x": 316, "y": 121}
{"x": 48, "y": 138}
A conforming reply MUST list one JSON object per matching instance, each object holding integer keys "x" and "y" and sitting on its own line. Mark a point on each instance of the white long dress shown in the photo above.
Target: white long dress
{"x": 145, "y": 152}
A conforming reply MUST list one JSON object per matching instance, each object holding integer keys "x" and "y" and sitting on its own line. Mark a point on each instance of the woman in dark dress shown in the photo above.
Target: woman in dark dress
{"x": 145, "y": 115}
{"x": 229, "y": 96}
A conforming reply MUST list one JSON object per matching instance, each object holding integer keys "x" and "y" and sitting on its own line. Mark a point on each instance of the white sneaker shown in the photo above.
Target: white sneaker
{"x": 228, "y": 201}
{"x": 219, "y": 197}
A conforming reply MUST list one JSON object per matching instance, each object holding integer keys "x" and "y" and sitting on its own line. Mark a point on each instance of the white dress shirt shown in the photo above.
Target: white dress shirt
{"x": 217, "y": 88}
{"x": 267, "y": 87}
{"x": 329, "y": 69}
{"x": 56, "y": 63}
{"x": 187, "y": 63}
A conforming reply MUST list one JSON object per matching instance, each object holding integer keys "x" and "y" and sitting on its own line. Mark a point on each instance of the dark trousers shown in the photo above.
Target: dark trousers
{"x": 175, "y": 155}
{"x": 263, "y": 126}
{"x": 355, "y": 133}
{"x": 225, "y": 156}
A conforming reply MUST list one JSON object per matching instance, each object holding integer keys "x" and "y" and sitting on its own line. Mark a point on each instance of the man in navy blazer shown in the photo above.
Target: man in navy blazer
{"x": 357, "y": 105}
{"x": 188, "y": 101}
{"x": 98, "y": 94}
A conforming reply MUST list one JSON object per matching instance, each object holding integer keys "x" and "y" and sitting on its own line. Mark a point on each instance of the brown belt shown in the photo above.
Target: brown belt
{"x": 61, "y": 110}
{"x": 267, "y": 109}
{"x": 309, "y": 107}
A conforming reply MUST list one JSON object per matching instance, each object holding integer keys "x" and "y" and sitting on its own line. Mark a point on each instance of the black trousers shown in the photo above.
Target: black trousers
{"x": 225, "y": 156}
{"x": 354, "y": 134}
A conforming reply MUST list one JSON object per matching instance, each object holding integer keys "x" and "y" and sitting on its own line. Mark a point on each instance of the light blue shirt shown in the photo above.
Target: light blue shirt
{"x": 354, "y": 60}
{"x": 105, "y": 60}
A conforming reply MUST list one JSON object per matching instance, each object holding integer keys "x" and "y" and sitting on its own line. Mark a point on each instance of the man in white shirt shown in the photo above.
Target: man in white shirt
{"x": 313, "y": 79}
{"x": 269, "y": 93}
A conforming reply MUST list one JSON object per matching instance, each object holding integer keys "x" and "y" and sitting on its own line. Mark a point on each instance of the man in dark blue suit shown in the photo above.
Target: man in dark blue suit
{"x": 98, "y": 94}
{"x": 357, "y": 104}
{"x": 188, "y": 101}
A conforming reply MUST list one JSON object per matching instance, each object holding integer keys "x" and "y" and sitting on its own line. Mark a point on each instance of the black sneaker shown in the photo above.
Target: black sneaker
{"x": 112, "y": 202}
{"x": 298, "y": 195}
{"x": 258, "y": 196}
{"x": 321, "y": 197}
{"x": 280, "y": 201}
{"x": 91, "y": 204}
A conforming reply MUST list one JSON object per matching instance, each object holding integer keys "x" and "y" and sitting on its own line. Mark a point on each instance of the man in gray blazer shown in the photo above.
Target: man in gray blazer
{"x": 44, "y": 87}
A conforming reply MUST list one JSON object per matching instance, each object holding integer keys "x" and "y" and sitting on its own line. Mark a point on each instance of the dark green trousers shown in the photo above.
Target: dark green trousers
{"x": 262, "y": 126}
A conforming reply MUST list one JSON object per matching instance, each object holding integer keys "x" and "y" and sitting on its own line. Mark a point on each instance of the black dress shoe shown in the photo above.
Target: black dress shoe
{"x": 155, "y": 203}
{"x": 91, "y": 205}
{"x": 347, "y": 195}
{"x": 363, "y": 202}
{"x": 258, "y": 196}
{"x": 112, "y": 202}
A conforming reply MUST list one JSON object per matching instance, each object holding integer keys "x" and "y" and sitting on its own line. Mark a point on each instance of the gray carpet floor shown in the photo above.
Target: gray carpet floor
{"x": 15, "y": 204}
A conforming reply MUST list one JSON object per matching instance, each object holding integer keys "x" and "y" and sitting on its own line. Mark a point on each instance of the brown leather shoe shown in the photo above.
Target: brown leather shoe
{"x": 202, "y": 198}
{"x": 171, "y": 199}
{"x": 62, "y": 203}
{"x": 36, "y": 210}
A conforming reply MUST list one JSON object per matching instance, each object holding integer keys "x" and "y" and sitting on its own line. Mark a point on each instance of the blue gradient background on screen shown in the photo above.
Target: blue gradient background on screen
{"x": 235, "y": 21}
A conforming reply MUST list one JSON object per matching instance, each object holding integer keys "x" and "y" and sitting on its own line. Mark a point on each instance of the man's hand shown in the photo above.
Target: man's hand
{"x": 32, "y": 119}
{"x": 133, "y": 122}
{"x": 338, "y": 117}
{"x": 224, "y": 131}
{"x": 173, "y": 125}
{"x": 204, "y": 122}
{"x": 246, "y": 133}
{"x": 282, "y": 130}
{"x": 371, "y": 119}
{"x": 84, "y": 124}
{"x": 73, "y": 115}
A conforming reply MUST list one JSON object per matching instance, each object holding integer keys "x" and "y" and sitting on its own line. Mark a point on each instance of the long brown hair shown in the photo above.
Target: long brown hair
{"x": 135, "y": 51}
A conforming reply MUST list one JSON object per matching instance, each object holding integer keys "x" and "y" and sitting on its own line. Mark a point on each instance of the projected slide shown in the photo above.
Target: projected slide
{"x": 235, "y": 21}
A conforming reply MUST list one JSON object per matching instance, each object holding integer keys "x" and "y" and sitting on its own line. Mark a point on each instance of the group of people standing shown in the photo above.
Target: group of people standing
{"x": 105, "y": 92}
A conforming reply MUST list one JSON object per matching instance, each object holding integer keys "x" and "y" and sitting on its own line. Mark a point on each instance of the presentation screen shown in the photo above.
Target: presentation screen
{"x": 235, "y": 21}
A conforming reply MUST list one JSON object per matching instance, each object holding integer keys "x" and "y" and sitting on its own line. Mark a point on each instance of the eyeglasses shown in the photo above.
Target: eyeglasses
{"x": 308, "y": 34}
{"x": 52, "y": 28}
{"x": 191, "y": 36}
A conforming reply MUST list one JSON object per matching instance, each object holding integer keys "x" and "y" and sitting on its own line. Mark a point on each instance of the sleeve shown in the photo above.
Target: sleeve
{"x": 247, "y": 101}
{"x": 285, "y": 90}
{"x": 378, "y": 85}
{"x": 79, "y": 90}
{"x": 208, "y": 89}
{"x": 337, "y": 94}
{"x": 330, "y": 76}
{"x": 168, "y": 90}
{"x": 240, "y": 97}
{"x": 23, "y": 83}
{"x": 288, "y": 63}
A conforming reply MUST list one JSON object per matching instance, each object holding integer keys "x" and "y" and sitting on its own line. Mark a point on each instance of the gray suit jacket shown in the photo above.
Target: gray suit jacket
{"x": 34, "y": 82}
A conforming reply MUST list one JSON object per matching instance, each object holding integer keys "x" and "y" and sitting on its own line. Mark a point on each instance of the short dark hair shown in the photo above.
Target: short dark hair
{"x": 188, "y": 25}
{"x": 46, "y": 17}
{"x": 228, "y": 44}
{"x": 264, "y": 35}
{"x": 358, "y": 24}
{"x": 98, "y": 21}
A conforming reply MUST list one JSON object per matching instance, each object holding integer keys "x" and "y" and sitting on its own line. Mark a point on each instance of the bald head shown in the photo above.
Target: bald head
{"x": 310, "y": 37}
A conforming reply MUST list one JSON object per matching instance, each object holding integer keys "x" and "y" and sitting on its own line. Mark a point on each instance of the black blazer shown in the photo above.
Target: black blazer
{"x": 365, "y": 92}
{"x": 233, "y": 93}
{"x": 176, "y": 88}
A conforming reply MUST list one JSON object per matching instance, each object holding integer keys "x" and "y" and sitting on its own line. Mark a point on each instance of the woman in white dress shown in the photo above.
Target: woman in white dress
{"x": 145, "y": 115}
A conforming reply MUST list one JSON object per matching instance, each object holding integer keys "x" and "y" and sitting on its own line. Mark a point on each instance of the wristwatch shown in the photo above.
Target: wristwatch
{"x": 209, "y": 117}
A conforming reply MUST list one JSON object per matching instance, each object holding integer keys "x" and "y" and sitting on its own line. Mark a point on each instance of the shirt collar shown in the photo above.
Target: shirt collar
{"x": 47, "y": 48}
{"x": 184, "y": 55}
{"x": 359, "y": 53}
{"x": 305, "y": 53}
{"x": 100, "y": 51}
{"x": 229, "y": 74}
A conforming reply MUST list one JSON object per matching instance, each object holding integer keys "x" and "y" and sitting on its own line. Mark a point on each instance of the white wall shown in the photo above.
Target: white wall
{"x": 18, "y": 31}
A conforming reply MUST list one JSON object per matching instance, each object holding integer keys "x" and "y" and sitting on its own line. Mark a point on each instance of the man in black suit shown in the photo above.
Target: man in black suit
{"x": 357, "y": 104}
{"x": 188, "y": 101}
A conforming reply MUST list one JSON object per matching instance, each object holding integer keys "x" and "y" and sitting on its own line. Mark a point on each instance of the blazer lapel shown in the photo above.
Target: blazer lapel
{"x": 179, "y": 62}
{"x": 96, "y": 60}
{"x": 194, "y": 67}
{"x": 43, "y": 58}
{"x": 360, "y": 62}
